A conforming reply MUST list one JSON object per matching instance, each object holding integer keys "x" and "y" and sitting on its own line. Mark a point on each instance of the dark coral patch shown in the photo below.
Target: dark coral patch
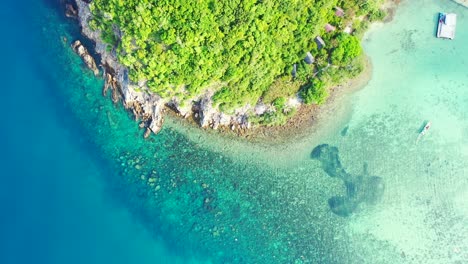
{"x": 359, "y": 188}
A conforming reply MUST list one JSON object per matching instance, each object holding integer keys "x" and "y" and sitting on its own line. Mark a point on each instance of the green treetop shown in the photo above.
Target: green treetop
{"x": 238, "y": 48}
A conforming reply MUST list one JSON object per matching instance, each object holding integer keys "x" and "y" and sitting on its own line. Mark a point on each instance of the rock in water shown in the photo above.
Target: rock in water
{"x": 344, "y": 132}
{"x": 147, "y": 133}
{"x": 70, "y": 11}
{"x": 157, "y": 118}
{"x": 84, "y": 54}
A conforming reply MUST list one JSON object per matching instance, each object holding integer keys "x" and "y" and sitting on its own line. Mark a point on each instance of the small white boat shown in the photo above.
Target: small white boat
{"x": 424, "y": 130}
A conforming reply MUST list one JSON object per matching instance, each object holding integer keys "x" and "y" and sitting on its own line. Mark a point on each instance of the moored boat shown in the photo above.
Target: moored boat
{"x": 424, "y": 130}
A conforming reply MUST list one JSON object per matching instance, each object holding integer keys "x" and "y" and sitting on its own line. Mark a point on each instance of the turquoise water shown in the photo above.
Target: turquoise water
{"x": 83, "y": 186}
{"x": 56, "y": 206}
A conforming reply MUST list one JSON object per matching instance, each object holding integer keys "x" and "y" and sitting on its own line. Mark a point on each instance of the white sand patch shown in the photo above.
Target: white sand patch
{"x": 403, "y": 229}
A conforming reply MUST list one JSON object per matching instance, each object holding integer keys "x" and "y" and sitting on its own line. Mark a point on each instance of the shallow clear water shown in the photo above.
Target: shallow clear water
{"x": 84, "y": 186}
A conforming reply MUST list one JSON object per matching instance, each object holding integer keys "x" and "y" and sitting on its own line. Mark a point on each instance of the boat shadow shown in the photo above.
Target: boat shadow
{"x": 435, "y": 19}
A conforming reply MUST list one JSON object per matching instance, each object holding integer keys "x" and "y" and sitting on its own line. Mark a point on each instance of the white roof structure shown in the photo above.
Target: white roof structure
{"x": 447, "y": 25}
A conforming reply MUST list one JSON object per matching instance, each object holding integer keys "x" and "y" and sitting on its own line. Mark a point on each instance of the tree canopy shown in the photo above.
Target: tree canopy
{"x": 238, "y": 48}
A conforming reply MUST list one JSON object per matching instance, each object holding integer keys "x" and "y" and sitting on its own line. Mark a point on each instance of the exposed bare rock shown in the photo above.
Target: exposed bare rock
{"x": 260, "y": 108}
{"x": 145, "y": 106}
{"x": 115, "y": 92}
{"x": 84, "y": 54}
{"x": 110, "y": 81}
{"x": 70, "y": 11}
{"x": 220, "y": 119}
{"x": 205, "y": 109}
{"x": 243, "y": 121}
{"x": 157, "y": 118}
{"x": 107, "y": 82}
{"x": 147, "y": 133}
{"x": 183, "y": 110}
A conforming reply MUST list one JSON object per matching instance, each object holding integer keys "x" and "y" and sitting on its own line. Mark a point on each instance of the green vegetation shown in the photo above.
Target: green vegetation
{"x": 278, "y": 116}
{"x": 244, "y": 49}
{"x": 314, "y": 92}
{"x": 284, "y": 86}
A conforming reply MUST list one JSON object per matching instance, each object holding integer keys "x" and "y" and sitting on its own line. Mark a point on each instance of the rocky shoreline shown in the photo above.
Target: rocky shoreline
{"x": 83, "y": 52}
{"x": 149, "y": 108}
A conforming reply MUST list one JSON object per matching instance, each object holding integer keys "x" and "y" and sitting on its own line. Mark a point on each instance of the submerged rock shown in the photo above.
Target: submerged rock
{"x": 342, "y": 206}
{"x": 70, "y": 11}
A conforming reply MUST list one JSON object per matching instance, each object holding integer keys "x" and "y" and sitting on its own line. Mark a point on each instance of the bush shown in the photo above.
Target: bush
{"x": 315, "y": 92}
{"x": 348, "y": 48}
{"x": 377, "y": 15}
{"x": 279, "y": 103}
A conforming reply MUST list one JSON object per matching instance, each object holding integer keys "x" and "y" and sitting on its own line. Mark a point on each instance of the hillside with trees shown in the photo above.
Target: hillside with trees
{"x": 245, "y": 51}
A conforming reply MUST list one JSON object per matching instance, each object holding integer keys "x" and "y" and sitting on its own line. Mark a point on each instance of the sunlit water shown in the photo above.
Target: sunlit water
{"x": 220, "y": 200}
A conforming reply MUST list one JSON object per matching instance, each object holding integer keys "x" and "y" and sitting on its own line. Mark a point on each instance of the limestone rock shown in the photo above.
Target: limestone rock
{"x": 70, "y": 11}
{"x": 147, "y": 133}
{"x": 183, "y": 110}
{"x": 206, "y": 110}
{"x": 84, "y": 54}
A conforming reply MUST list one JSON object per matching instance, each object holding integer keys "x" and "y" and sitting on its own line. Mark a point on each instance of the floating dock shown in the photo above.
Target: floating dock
{"x": 447, "y": 25}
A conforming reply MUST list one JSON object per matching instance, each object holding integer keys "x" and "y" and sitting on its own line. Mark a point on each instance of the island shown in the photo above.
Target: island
{"x": 233, "y": 64}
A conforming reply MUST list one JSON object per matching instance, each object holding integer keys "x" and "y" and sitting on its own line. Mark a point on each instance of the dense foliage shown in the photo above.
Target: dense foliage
{"x": 238, "y": 48}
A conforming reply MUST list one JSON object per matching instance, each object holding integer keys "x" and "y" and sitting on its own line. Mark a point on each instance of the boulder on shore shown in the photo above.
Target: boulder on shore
{"x": 84, "y": 54}
{"x": 70, "y": 11}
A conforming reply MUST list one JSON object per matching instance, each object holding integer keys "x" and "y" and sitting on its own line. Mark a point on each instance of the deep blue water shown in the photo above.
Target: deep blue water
{"x": 55, "y": 205}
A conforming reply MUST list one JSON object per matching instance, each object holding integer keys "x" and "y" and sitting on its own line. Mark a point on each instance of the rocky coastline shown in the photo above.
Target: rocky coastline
{"x": 83, "y": 52}
{"x": 148, "y": 108}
